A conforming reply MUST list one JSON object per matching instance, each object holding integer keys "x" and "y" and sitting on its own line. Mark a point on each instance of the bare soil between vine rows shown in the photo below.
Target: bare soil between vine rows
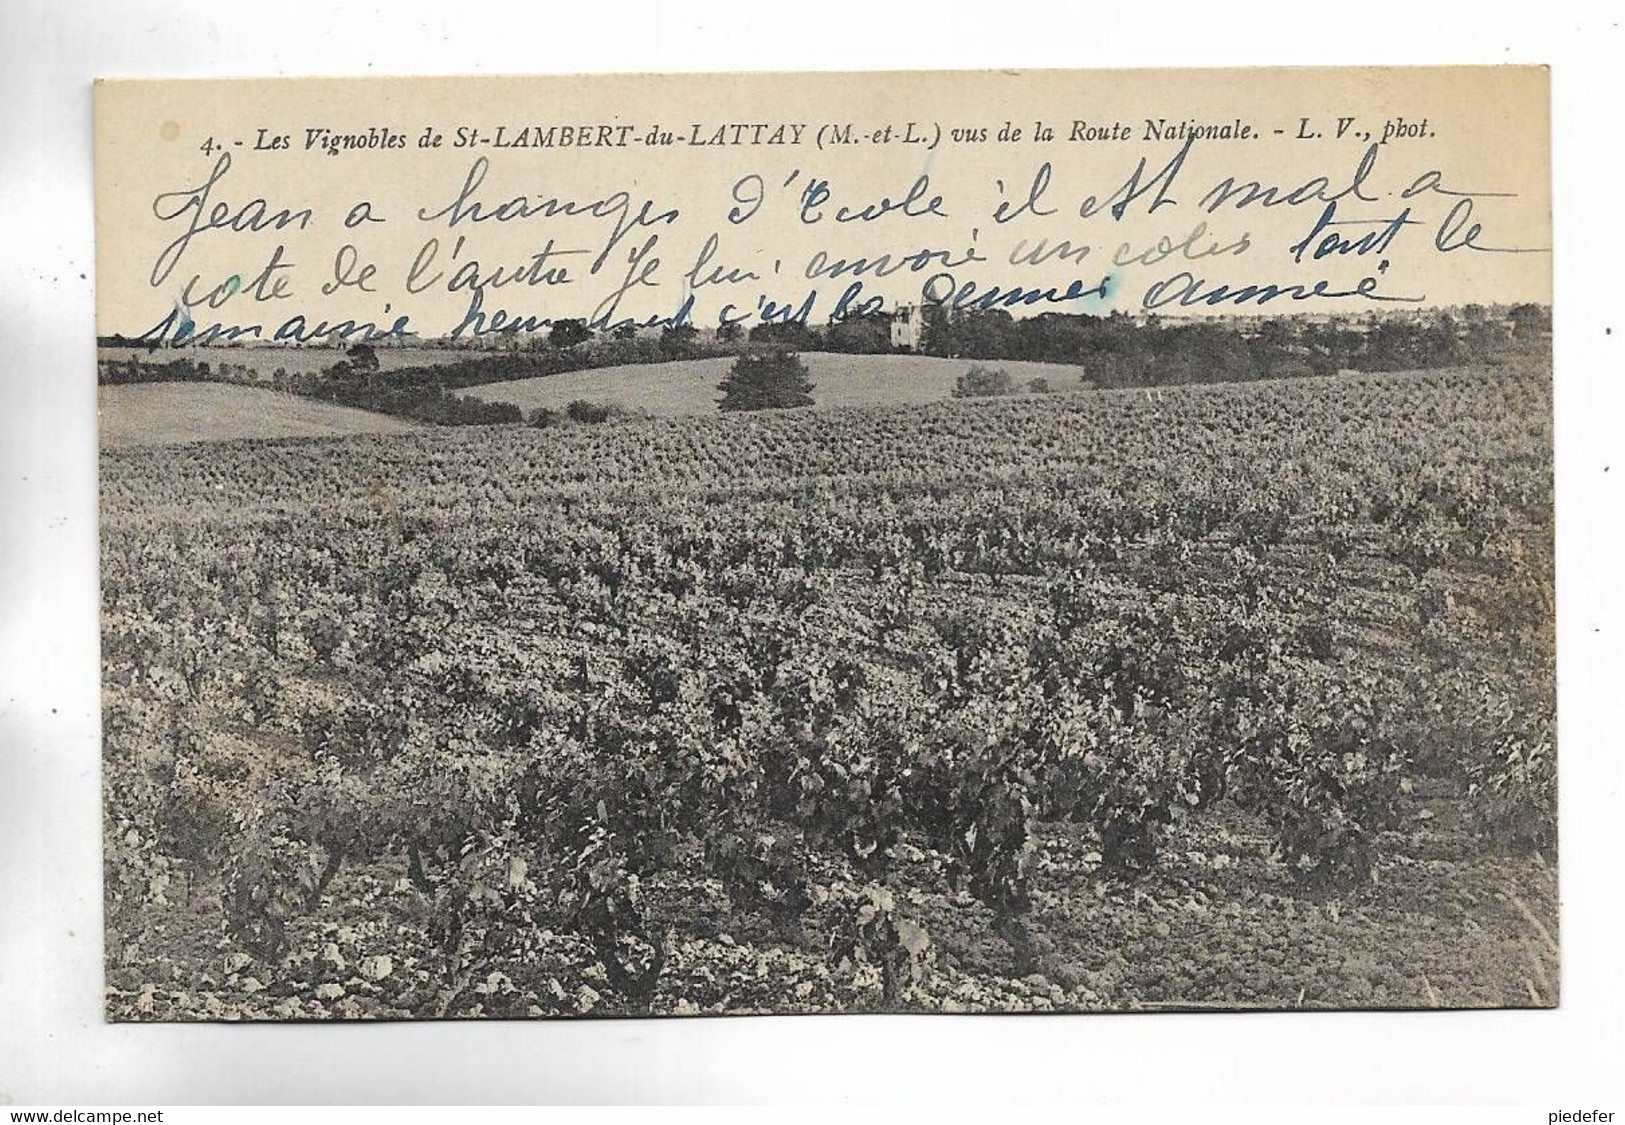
{"x": 1218, "y": 925}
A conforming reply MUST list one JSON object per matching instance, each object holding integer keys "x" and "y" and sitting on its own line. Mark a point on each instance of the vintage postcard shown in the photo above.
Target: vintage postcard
{"x": 772, "y": 543}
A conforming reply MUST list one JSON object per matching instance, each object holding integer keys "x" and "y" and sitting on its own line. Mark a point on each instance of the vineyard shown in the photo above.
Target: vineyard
{"x": 1216, "y": 696}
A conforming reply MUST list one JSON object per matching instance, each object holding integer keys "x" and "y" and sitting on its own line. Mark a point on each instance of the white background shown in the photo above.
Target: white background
{"x": 54, "y": 1047}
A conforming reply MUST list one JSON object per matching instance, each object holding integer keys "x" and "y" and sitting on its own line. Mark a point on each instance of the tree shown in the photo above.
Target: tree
{"x": 1530, "y": 321}
{"x": 1439, "y": 345}
{"x": 868, "y": 334}
{"x": 974, "y": 333}
{"x": 1485, "y": 338}
{"x": 983, "y": 382}
{"x": 362, "y": 358}
{"x": 679, "y": 341}
{"x": 568, "y": 333}
{"x": 590, "y": 413}
{"x": 766, "y": 380}
{"x": 793, "y": 335}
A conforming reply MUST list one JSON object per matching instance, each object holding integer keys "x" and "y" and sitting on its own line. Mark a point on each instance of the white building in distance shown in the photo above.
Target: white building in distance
{"x": 907, "y": 327}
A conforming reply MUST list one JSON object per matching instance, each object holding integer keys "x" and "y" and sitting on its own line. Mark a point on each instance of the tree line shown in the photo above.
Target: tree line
{"x": 1124, "y": 351}
{"x": 1116, "y": 350}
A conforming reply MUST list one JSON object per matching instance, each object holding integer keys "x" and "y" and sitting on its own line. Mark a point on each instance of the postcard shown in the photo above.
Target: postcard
{"x": 782, "y": 543}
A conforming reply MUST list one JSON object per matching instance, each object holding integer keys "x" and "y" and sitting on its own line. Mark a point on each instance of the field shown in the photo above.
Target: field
{"x": 688, "y": 387}
{"x": 1232, "y": 696}
{"x": 170, "y": 413}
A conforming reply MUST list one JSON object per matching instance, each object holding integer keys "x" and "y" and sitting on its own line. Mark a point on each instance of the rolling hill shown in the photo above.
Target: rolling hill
{"x": 690, "y": 386}
{"x": 171, "y": 413}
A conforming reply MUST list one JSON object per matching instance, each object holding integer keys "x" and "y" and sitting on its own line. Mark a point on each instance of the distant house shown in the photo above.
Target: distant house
{"x": 907, "y": 328}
